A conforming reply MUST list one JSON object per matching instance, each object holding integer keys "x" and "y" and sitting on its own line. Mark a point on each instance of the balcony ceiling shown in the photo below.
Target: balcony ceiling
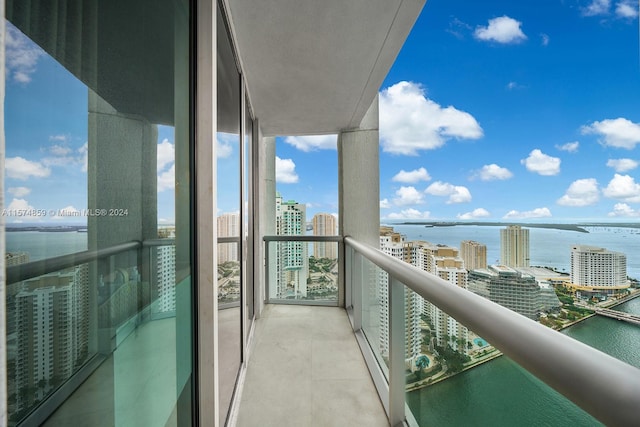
{"x": 315, "y": 67}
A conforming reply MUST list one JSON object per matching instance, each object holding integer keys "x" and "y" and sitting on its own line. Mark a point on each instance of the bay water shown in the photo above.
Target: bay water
{"x": 500, "y": 392}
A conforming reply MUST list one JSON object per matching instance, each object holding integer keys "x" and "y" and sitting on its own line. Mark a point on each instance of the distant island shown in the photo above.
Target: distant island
{"x": 568, "y": 227}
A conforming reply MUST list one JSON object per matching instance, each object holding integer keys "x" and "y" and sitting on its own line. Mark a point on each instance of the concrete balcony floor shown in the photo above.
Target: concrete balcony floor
{"x": 306, "y": 369}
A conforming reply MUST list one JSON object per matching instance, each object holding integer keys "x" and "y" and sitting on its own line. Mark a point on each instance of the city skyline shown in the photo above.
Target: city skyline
{"x": 549, "y": 105}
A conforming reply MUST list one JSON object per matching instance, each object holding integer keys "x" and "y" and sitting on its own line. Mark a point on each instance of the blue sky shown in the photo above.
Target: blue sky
{"x": 493, "y": 110}
{"x": 502, "y": 110}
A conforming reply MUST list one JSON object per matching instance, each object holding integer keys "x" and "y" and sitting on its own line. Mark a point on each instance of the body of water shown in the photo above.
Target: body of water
{"x": 500, "y": 392}
{"x": 547, "y": 247}
{"x": 45, "y": 244}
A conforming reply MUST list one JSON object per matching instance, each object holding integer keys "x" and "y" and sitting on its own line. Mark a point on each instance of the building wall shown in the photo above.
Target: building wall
{"x": 514, "y": 246}
{"x": 593, "y": 266}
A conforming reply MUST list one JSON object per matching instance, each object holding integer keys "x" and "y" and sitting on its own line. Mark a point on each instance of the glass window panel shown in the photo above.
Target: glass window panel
{"x": 97, "y": 142}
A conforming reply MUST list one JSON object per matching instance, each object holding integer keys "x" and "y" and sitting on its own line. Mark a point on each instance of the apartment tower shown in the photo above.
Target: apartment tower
{"x": 514, "y": 246}
{"x": 325, "y": 224}
{"x": 597, "y": 270}
{"x": 292, "y": 263}
{"x": 473, "y": 254}
{"x": 228, "y": 226}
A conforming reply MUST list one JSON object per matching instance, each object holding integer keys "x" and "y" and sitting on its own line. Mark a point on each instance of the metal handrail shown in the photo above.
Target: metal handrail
{"x": 298, "y": 238}
{"x": 29, "y": 270}
{"x": 602, "y": 385}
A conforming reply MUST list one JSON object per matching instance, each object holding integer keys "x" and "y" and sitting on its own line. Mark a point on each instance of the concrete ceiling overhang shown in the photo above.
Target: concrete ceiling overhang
{"x": 315, "y": 66}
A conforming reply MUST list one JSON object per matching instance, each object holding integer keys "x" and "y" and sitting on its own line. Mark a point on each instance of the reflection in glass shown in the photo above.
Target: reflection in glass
{"x": 98, "y": 131}
{"x": 229, "y": 126}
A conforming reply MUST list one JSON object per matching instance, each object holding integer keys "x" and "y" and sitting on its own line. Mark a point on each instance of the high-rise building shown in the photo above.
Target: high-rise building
{"x": 325, "y": 224}
{"x": 52, "y": 325}
{"x": 228, "y": 226}
{"x": 473, "y": 254}
{"x": 514, "y": 246}
{"x": 166, "y": 278}
{"x": 513, "y": 289}
{"x": 393, "y": 244}
{"x": 598, "y": 271}
{"x": 15, "y": 258}
{"x": 292, "y": 263}
{"x": 444, "y": 262}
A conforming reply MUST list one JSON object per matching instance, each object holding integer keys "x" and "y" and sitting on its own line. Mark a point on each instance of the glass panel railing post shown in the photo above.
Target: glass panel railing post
{"x": 396, "y": 352}
{"x": 347, "y": 280}
{"x": 357, "y": 287}
{"x": 267, "y": 272}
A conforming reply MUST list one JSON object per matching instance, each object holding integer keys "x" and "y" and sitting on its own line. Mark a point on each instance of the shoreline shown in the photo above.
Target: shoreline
{"x": 414, "y": 387}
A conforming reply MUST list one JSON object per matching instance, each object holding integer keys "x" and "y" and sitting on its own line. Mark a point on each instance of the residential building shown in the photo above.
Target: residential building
{"x": 597, "y": 271}
{"x": 393, "y": 244}
{"x": 473, "y": 254}
{"x": 514, "y": 246}
{"x": 445, "y": 262}
{"x": 52, "y": 325}
{"x": 228, "y": 226}
{"x": 292, "y": 257}
{"x": 325, "y": 224}
{"x": 15, "y": 258}
{"x": 513, "y": 289}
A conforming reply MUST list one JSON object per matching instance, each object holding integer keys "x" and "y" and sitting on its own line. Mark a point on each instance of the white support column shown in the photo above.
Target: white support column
{"x": 359, "y": 183}
{"x": 359, "y": 180}
{"x": 267, "y": 211}
{"x": 205, "y": 227}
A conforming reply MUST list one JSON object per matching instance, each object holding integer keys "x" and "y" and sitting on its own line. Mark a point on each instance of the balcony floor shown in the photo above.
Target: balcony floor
{"x": 306, "y": 369}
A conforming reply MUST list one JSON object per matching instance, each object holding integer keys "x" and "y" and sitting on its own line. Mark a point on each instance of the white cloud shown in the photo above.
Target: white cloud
{"x": 384, "y": 204}
{"x": 619, "y": 133}
{"x": 19, "y": 191}
{"x": 286, "y": 171}
{"x": 493, "y": 172}
{"x": 167, "y": 179}
{"x": 64, "y": 156}
{"x": 60, "y": 138}
{"x": 623, "y": 209}
{"x": 409, "y": 214}
{"x": 536, "y": 213}
{"x": 410, "y": 122}
{"x": 84, "y": 156}
{"x": 412, "y": 177}
{"x": 622, "y": 165}
{"x": 456, "y": 193}
{"x": 514, "y": 86}
{"x": 501, "y": 30}
{"x": 597, "y": 7}
{"x": 23, "y": 169}
{"x": 545, "y": 39}
{"x": 166, "y": 154}
{"x": 541, "y": 163}
{"x": 476, "y": 213}
{"x": 582, "y": 192}
{"x": 624, "y": 188}
{"x": 19, "y": 205}
{"x": 570, "y": 147}
{"x": 21, "y": 55}
{"x": 408, "y": 196}
{"x": 627, "y": 9}
{"x": 66, "y": 213}
{"x": 224, "y": 144}
{"x": 25, "y": 209}
{"x": 313, "y": 142}
{"x": 59, "y": 150}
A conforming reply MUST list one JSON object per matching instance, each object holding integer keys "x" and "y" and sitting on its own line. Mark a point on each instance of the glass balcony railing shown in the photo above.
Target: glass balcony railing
{"x": 417, "y": 330}
{"x": 93, "y": 315}
{"x": 303, "y": 269}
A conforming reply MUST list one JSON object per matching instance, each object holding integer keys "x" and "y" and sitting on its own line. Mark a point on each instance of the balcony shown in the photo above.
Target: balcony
{"x": 317, "y": 361}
